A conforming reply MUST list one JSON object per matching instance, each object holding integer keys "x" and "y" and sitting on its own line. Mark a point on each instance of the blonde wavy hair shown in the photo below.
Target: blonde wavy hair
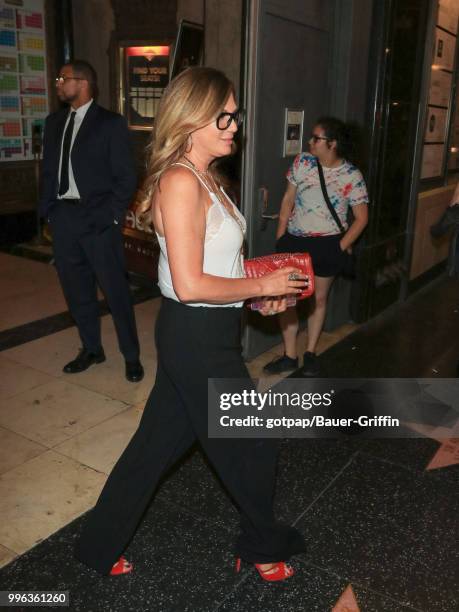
{"x": 190, "y": 101}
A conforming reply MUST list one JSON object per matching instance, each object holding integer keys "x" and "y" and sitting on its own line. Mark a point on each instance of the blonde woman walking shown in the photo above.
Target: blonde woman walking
{"x": 200, "y": 233}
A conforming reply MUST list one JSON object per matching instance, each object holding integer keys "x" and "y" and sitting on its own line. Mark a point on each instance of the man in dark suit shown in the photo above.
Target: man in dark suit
{"x": 88, "y": 180}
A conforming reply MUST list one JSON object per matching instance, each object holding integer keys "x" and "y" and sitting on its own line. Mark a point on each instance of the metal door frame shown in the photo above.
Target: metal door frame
{"x": 250, "y": 98}
{"x": 249, "y": 93}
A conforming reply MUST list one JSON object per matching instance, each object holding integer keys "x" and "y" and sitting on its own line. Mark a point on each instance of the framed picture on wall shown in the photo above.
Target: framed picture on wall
{"x": 433, "y": 156}
{"x": 189, "y": 47}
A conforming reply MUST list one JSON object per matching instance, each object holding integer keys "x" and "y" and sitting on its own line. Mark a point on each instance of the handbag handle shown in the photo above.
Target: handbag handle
{"x": 333, "y": 212}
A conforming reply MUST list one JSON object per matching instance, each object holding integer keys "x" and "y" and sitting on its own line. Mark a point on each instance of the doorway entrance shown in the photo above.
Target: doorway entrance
{"x": 287, "y": 68}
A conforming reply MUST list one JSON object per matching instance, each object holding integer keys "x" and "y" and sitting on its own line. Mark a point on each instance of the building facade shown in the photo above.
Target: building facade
{"x": 388, "y": 66}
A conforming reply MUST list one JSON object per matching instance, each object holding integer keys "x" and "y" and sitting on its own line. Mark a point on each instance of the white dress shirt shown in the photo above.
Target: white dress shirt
{"x": 72, "y": 191}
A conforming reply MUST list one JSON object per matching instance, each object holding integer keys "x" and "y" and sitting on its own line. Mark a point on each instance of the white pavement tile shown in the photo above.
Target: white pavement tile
{"x": 6, "y": 556}
{"x": 30, "y": 291}
{"x": 41, "y": 496}
{"x": 109, "y": 379}
{"x": 15, "y": 450}
{"x": 16, "y": 378}
{"x": 48, "y": 354}
{"x": 56, "y": 411}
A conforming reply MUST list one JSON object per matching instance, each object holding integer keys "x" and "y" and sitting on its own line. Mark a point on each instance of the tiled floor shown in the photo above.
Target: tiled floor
{"x": 371, "y": 515}
{"x": 30, "y": 291}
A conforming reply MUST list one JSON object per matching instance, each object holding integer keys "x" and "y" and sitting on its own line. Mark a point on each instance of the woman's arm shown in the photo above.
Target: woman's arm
{"x": 184, "y": 222}
{"x": 360, "y": 212}
{"x": 287, "y": 204}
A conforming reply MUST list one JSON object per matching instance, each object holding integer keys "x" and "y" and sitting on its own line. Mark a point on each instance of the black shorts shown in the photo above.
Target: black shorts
{"x": 326, "y": 254}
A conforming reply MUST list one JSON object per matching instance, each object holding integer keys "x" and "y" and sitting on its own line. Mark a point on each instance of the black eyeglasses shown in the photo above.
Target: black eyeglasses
{"x": 61, "y": 79}
{"x": 224, "y": 119}
{"x": 316, "y": 138}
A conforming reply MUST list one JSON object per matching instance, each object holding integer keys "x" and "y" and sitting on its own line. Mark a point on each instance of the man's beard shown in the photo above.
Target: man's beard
{"x": 66, "y": 98}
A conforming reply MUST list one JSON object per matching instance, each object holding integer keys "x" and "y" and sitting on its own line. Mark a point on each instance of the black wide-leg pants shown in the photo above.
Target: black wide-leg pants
{"x": 85, "y": 257}
{"x": 194, "y": 344}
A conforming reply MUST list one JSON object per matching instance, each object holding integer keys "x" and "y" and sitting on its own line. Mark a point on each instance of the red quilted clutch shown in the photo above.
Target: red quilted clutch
{"x": 259, "y": 266}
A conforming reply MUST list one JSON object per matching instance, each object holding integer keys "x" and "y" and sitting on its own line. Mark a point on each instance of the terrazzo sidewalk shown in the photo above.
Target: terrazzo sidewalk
{"x": 372, "y": 517}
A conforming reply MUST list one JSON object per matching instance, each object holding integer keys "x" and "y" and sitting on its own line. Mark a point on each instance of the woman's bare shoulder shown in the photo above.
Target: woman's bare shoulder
{"x": 179, "y": 192}
{"x": 177, "y": 179}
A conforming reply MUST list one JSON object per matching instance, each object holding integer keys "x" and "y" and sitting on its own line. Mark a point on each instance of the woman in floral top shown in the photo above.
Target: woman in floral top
{"x": 305, "y": 224}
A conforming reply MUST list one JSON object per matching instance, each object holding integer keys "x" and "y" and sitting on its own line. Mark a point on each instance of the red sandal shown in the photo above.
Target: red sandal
{"x": 278, "y": 571}
{"x": 122, "y": 566}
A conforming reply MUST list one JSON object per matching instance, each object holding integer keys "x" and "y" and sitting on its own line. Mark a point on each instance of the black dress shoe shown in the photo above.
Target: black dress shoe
{"x": 83, "y": 361}
{"x": 134, "y": 371}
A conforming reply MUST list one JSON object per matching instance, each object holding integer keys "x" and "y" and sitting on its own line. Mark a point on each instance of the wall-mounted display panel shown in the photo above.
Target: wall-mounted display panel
{"x": 23, "y": 78}
{"x": 144, "y": 76}
{"x": 293, "y": 132}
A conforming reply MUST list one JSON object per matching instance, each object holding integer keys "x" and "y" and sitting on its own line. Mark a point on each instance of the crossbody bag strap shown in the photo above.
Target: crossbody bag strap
{"x": 333, "y": 212}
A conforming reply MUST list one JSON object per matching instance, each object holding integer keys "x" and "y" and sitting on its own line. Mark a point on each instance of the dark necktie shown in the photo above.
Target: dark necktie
{"x": 64, "y": 179}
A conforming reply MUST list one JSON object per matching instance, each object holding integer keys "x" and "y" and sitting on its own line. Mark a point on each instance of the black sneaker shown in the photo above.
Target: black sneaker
{"x": 311, "y": 367}
{"x": 280, "y": 365}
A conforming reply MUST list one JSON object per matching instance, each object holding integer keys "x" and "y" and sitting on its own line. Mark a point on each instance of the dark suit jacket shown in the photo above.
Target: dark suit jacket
{"x": 102, "y": 165}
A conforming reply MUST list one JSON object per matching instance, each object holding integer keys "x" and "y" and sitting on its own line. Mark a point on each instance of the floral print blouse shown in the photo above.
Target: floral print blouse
{"x": 310, "y": 216}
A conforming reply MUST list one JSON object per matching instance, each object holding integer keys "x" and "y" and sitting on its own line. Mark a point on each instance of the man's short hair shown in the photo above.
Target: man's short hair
{"x": 83, "y": 69}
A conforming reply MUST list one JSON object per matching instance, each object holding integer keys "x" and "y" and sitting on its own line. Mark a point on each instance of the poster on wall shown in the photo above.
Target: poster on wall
{"x": 440, "y": 88}
{"x": 146, "y": 75}
{"x": 436, "y": 125}
{"x": 448, "y": 15}
{"x": 445, "y": 49}
{"x": 432, "y": 161}
{"x": 23, "y": 78}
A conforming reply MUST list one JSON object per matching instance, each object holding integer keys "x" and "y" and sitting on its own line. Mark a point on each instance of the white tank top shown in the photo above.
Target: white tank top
{"x": 222, "y": 246}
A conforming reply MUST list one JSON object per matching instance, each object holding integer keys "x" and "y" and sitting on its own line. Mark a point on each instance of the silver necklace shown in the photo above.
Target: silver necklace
{"x": 202, "y": 172}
